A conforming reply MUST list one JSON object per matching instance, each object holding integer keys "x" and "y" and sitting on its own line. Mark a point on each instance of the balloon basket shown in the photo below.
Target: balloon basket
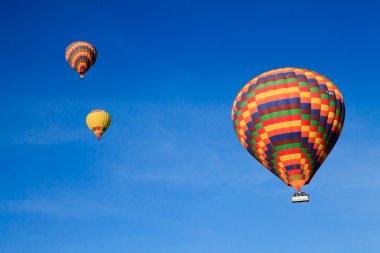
{"x": 300, "y": 197}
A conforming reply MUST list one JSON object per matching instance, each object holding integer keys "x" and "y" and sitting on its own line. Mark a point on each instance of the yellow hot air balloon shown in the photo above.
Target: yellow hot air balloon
{"x": 98, "y": 121}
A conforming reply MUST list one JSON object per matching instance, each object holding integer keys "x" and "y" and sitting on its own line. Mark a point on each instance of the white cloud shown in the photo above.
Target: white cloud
{"x": 56, "y": 205}
{"x": 51, "y": 134}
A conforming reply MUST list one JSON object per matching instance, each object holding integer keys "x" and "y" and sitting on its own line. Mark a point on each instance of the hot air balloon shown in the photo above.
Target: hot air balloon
{"x": 81, "y": 56}
{"x": 289, "y": 119}
{"x": 98, "y": 121}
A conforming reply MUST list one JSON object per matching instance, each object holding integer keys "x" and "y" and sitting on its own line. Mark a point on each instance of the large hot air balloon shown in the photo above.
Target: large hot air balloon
{"x": 81, "y": 56}
{"x": 289, "y": 119}
{"x": 98, "y": 121}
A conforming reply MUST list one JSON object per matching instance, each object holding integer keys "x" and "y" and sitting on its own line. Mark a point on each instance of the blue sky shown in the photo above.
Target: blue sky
{"x": 170, "y": 175}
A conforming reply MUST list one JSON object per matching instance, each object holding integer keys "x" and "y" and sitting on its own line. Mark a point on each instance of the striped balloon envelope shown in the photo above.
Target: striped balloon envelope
{"x": 289, "y": 119}
{"x": 81, "y": 56}
{"x": 98, "y": 121}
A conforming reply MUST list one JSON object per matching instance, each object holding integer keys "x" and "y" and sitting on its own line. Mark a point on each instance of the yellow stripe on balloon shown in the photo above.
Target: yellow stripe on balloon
{"x": 282, "y": 91}
{"x": 285, "y": 124}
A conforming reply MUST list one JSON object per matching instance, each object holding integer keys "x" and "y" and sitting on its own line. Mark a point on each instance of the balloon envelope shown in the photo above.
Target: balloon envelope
{"x": 81, "y": 56}
{"x": 289, "y": 120}
{"x": 98, "y": 121}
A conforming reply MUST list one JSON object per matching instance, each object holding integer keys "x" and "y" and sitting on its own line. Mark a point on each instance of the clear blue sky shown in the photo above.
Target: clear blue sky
{"x": 170, "y": 175}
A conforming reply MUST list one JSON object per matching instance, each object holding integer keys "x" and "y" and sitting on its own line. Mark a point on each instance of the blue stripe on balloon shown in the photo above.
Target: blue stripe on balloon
{"x": 285, "y": 136}
{"x": 278, "y": 103}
